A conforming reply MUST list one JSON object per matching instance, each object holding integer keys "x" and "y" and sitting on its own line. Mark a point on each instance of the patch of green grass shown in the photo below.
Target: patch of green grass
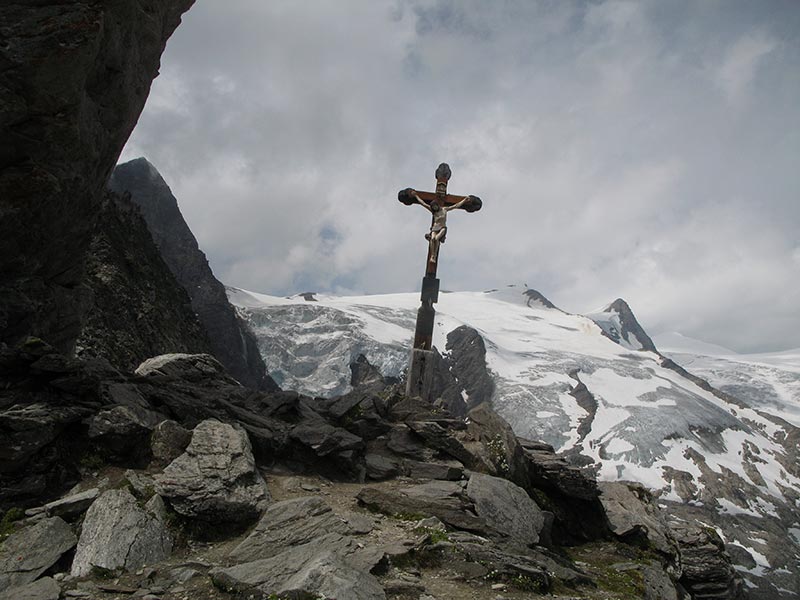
{"x": 404, "y": 516}
{"x": 629, "y": 584}
{"x": 437, "y": 536}
{"x": 599, "y": 560}
{"x": 524, "y": 583}
{"x": 528, "y": 584}
{"x": 9, "y": 518}
{"x": 91, "y": 461}
{"x": 434, "y": 535}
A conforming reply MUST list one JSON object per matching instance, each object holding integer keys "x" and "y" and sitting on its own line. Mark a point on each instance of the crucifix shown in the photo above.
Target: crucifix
{"x": 439, "y": 203}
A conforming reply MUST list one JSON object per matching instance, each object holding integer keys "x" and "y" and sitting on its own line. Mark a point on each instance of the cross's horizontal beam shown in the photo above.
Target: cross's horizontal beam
{"x": 406, "y": 196}
{"x": 431, "y": 196}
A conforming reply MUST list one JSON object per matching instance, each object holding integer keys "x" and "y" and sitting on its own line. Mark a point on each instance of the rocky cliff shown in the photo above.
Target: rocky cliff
{"x": 74, "y": 77}
{"x": 232, "y": 342}
{"x": 133, "y": 307}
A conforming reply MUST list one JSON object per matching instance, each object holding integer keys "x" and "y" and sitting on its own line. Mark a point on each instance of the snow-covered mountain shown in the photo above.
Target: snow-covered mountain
{"x": 595, "y": 387}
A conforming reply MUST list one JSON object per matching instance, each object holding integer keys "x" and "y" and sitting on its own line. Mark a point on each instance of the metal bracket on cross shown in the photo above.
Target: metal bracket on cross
{"x": 439, "y": 203}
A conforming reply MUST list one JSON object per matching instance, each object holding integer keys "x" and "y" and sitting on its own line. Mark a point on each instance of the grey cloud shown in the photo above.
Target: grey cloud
{"x": 638, "y": 149}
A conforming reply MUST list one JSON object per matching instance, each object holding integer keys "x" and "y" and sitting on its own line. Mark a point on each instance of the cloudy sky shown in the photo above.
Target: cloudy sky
{"x": 644, "y": 150}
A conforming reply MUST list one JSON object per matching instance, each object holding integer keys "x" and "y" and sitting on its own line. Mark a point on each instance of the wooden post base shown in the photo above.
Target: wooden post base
{"x": 420, "y": 375}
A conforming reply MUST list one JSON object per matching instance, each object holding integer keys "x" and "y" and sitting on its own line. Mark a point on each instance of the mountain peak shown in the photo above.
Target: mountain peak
{"x": 619, "y": 324}
{"x": 620, "y": 306}
{"x": 536, "y": 296}
{"x": 521, "y": 294}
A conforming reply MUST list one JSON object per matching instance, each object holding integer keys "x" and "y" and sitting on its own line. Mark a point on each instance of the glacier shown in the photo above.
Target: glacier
{"x": 714, "y": 436}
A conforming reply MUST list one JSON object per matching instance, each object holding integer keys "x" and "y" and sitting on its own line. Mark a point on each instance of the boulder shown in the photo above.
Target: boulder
{"x": 72, "y": 506}
{"x": 190, "y": 367}
{"x": 445, "y": 470}
{"x": 342, "y": 405}
{"x": 325, "y": 439}
{"x": 309, "y": 571}
{"x": 168, "y": 441}
{"x": 122, "y": 433}
{"x": 286, "y": 524}
{"x": 402, "y": 408}
{"x": 29, "y": 552}
{"x": 439, "y": 438}
{"x": 570, "y": 493}
{"x": 550, "y": 471}
{"x": 215, "y": 480}
{"x": 402, "y": 441}
{"x": 45, "y": 588}
{"x": 339, "y": 449}
{"x": 494, "y": 446}
{"x": 29, "y": 427}
{"x": 633, "y": 517}
{"x": 446, "y": 500}
{"x": 119, "y": 534}
{"x": 506, "y": 508}
{"x": 381, "y": 467}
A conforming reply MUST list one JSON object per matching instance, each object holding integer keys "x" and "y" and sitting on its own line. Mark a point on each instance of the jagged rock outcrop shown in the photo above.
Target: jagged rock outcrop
{"x": 461, "y": 380}
{"x": 231, "y": 340}
{"x": 633, "y": 516}
{"x": 119, "y": 534}
{"x": 215, "y": 481}
{"x": 133, "y": 306}
{"x": 74, "y": 77}
{"x": 366, "y": 377}
{"x": 706, "y": 570}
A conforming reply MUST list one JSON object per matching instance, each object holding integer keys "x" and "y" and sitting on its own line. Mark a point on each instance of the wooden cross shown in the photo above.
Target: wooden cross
{"x": 445, "y": 202}
{"x": 439, "y": 203}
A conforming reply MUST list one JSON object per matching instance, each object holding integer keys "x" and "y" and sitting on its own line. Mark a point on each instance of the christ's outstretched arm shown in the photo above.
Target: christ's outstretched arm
{"x": 421, "y": 201}
{"x": 457, "y": 204}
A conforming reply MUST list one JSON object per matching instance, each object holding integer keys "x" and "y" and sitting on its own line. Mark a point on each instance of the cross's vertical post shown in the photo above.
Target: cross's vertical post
{"x": 420, "y": 372}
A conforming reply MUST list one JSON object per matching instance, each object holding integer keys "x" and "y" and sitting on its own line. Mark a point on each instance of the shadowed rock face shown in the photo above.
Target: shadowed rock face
{"x": 134, "y": 308}
{"x": 74, "y": 77}
{"x": 232, "y": 342}
{"x": 461, "y": 379}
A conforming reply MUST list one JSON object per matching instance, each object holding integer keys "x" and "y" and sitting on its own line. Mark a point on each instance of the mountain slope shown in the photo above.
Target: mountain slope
{"x": 562, "y": 378}
{"x": 231, "y": 340}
